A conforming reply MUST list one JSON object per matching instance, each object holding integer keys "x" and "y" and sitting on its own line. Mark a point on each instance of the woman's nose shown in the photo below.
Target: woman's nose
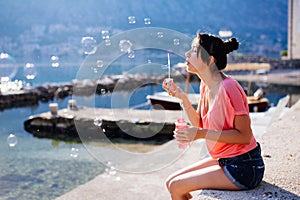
{"x": 187, "y": 54}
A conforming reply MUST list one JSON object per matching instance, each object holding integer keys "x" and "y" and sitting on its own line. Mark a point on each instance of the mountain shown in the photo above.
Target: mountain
{"x": 253, "y": 21}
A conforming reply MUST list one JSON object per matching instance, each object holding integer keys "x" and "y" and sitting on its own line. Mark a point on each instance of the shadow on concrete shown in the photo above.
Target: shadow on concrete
{"x": 264, "y": 191}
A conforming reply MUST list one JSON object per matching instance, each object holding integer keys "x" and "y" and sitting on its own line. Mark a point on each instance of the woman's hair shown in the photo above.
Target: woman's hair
{"x": 210, "y": 45}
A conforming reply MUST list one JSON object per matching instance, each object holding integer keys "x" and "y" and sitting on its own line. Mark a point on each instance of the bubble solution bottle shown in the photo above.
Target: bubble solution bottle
{"x": 181, "y": 124}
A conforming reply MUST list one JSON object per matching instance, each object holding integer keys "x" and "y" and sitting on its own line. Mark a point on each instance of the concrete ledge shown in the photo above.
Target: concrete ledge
{"x": 281, "y": 150}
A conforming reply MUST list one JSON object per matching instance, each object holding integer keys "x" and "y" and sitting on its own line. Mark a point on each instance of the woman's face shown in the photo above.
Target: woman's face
{"x": 193, "y": 60}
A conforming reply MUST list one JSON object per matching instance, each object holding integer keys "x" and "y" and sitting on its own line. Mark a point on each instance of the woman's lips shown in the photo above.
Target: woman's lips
{"x": 186, "y": 62}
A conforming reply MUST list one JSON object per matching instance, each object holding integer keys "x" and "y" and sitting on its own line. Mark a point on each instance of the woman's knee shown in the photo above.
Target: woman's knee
{"x": 175, "y": 187}
{"x": 167, "y": 182}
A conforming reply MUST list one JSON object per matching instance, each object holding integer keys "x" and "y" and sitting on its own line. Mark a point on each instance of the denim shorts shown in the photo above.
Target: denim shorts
{"x": 245, "y": 171}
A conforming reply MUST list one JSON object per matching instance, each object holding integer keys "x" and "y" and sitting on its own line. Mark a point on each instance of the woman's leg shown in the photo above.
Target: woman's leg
{"x": 207, "y": 162}
{"x": 211, "y": 177}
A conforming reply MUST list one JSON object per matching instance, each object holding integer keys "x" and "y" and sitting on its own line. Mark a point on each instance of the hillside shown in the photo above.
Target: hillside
{"x": 255, "y": 22}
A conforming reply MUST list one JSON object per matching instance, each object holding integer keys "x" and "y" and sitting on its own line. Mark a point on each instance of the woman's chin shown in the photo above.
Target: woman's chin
{"x": 190, "y": 69}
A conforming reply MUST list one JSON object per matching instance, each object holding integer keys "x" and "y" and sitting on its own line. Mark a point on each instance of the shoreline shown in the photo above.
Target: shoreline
{"x": 284, "y": 81}
{"x": 278, "y": 77}
{"x": 280, "y": 149}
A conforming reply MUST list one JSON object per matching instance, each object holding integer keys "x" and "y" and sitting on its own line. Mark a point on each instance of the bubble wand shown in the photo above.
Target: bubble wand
{"x": 169, "y": 67}
{"x": 168, "y": 80}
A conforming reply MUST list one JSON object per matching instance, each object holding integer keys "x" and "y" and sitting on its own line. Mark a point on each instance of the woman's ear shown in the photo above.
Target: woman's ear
{"x": 211, "y": 60}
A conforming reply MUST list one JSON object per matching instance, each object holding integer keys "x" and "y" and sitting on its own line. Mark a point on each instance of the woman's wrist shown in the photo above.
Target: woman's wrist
{"x": 185, "y": 103}
{"x": 201, "y": 133}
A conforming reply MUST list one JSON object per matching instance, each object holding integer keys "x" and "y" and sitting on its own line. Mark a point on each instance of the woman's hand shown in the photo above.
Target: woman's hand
{"x": 188, "y": 134}
{"x": 173, "y": 89}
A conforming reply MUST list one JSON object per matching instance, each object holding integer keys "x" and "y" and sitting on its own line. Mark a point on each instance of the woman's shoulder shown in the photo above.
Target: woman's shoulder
{"x": 232, "y": 86}
{"x": 230, "y": 83}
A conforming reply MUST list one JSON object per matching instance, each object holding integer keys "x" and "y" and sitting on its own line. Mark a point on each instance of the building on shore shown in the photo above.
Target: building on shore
{"x": 293, "y": 29}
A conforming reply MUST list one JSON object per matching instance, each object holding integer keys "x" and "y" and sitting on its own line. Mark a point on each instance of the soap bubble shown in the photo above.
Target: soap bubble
{"x": 88, "y": 45}
{"x": 54, "y": 58}
{"x": 96, "y": 68}
{"x": 100, "y": 63}
{"x": 147, "y": 21}
{"x": 131, "y": 54}
{"x": 125, "y": 45}
{"x": 110, "y": 169}
{"x": 12, "y": 140}
{"x": 29, "y": 71}
{"x": 105, "y": 34}
{"x": 55, "y": 65}
{"x": 160, "y": 34}
{"x": 74, "y": 152}
{"x": 54, "y": 61}
{"x": 176, "y": 42}
{"x": 107, "y": 42}
{"x": 98, "y": 122}
{"x": 103, "y": 91}
{"x": 8, "y": 67}
{"x": 131, "y": 20}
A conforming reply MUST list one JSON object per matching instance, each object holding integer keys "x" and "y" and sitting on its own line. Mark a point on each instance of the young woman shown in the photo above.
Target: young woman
{"x": 222, "y": 119}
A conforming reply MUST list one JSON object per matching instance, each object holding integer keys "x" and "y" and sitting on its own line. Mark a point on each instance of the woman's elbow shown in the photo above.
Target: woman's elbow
{"x": 248, "y": 138}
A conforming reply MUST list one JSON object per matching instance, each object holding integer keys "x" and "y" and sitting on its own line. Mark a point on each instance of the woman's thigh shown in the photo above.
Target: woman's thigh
{"x": 207, "y": 162}
{"x": 212, "y": 177}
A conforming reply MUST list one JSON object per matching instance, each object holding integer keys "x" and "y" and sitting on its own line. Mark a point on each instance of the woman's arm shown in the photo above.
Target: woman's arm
{"x": 186, "y": 104}
{"x": 192, "y": 114}
{"x": 240, "y": 134}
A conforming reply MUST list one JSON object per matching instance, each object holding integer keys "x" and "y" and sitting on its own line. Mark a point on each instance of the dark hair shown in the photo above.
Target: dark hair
{"x": 216, "y": 47}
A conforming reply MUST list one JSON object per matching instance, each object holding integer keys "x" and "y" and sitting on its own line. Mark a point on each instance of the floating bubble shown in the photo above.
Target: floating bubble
{"x": 110, "y": 169}
{"x": 55, "y": 65}
{"x": 160, "y": 34}
{"x": 94, "y": 69}
{"x": 176, "y": 42}
{"x": 8, "y": 67}
{"x": 98, "y": 122}
{"x": 125, "y": 45}
{"x": 100, "y": 63}
{"x": 12, "y": 140}
{"x": 103, "y": 91}
{"x": 131, "y": 54}
{"x": 54, "y": 61}
{"x": 88, "y": 45}
{"x": 131, "y": 20}
{"x": 107, "y": 42}
{"x": 147, "y": 21}
{"x": 105, "y": 34}
{"x": 54, "y": 58}
{"x": 29, "y": 71}
{"x": 74, "y": 152}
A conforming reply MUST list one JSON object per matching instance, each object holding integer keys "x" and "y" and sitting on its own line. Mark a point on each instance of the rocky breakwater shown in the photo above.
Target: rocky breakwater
{"x": 18, "y": 99}
{"x": 107, "y": 84}
{"x": 98, "y": 124}
{"x": 32, "y": 96}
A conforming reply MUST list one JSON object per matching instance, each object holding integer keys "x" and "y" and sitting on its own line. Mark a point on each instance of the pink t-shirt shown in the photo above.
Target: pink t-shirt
{"x": 230, "y": 101}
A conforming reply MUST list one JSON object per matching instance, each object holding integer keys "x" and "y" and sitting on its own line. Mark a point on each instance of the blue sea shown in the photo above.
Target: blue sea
{"x": 43, "y": 168}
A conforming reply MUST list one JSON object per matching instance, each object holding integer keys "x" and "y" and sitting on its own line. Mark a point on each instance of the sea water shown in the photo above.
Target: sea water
{"x": 33, "y": 168}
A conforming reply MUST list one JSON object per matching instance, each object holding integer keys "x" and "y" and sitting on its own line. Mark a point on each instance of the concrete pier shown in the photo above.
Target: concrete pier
{"x": 92, "y": 124}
